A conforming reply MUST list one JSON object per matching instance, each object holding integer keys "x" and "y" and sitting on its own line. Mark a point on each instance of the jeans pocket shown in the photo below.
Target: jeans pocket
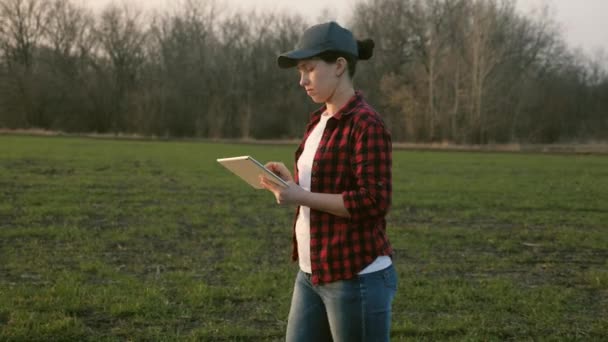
{"x": 390, "y": 278}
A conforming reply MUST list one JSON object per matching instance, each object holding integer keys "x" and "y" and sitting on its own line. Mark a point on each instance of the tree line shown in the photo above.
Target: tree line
{"x": 460, "y": 71}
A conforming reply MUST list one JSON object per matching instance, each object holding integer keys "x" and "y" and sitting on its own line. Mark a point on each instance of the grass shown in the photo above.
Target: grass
{"x": 107, "y": 240}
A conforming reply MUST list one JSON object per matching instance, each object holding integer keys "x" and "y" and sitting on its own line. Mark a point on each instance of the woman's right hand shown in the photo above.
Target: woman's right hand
{"x": 280, "y": 170}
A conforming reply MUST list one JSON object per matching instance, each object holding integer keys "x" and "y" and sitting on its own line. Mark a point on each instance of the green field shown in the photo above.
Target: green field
{"x": 106, "y": 240}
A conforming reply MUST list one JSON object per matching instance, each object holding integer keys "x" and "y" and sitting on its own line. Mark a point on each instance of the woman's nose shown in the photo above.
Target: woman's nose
{"x": 303, "y": 80}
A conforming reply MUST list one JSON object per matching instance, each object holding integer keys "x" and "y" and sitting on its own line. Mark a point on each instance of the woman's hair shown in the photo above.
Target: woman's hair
{"x": 366, "y": 51}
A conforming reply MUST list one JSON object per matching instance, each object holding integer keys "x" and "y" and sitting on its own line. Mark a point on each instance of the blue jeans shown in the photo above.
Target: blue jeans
{"x": 358, "y": 309}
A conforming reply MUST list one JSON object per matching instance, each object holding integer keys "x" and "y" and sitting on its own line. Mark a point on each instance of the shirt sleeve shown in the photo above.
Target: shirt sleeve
{"x": 372, "y": 163}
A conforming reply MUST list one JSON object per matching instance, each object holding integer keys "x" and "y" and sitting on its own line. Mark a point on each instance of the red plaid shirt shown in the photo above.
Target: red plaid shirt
{"x": 353, "y": 159}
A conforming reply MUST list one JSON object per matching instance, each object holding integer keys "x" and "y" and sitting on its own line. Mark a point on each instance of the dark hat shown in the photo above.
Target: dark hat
{"x": 320, "y": 38}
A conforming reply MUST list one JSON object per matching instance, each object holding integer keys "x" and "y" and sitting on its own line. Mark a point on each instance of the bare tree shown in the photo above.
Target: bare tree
{"x": 184, "y": 44}
{"x": 122, "y": 42}
{"x": 23, "y": 23}
{"x": 22, "y": 28}
{"x": 69, "y": 30}
{"x": 391, "y": 71}
{"x": 63, "y": 57}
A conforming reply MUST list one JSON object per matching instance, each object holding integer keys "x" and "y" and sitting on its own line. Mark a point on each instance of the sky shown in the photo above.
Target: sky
{"x": 583, "y": 23}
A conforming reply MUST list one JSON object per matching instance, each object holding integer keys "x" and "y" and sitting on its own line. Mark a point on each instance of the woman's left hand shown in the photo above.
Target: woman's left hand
{"x": 292, "y": 194}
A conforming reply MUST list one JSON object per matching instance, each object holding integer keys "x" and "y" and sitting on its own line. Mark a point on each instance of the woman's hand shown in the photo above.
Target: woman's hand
{"x": 292, "y": 194}
{"x": 289, "y": 195}
{"x": 280, "y": 170}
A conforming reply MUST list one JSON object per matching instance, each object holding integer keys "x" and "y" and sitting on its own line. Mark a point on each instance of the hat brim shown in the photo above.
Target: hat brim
{"x": 290, "y": 59}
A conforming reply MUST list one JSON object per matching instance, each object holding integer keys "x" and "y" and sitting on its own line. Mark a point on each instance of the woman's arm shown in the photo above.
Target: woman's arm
{"x": 330, "y": 203}
{"x": 294, "y": 194}
{"x": 372, "y": 165}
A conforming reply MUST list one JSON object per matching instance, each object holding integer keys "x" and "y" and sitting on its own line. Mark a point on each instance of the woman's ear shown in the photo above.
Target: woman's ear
{"x": 341, "y": 65}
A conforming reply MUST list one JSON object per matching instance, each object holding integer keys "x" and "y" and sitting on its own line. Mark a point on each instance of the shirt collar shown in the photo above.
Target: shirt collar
{"x": 346, "y": 110}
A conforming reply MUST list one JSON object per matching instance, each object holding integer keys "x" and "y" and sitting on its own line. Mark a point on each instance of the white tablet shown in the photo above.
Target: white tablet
{"x": 250, "y": 170}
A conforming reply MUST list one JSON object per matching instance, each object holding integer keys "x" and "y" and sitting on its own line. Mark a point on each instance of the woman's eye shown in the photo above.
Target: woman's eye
{"x": 306, "y": 69}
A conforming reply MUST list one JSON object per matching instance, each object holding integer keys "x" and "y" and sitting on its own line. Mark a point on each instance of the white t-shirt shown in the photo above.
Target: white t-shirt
{"x": 303, "y": 221}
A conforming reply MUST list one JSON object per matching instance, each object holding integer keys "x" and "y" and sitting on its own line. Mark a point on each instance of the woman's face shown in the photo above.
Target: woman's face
{"x": 318, "y": 78}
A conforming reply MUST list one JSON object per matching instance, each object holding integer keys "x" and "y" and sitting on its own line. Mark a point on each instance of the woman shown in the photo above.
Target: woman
{"x": 342, "y": 187}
